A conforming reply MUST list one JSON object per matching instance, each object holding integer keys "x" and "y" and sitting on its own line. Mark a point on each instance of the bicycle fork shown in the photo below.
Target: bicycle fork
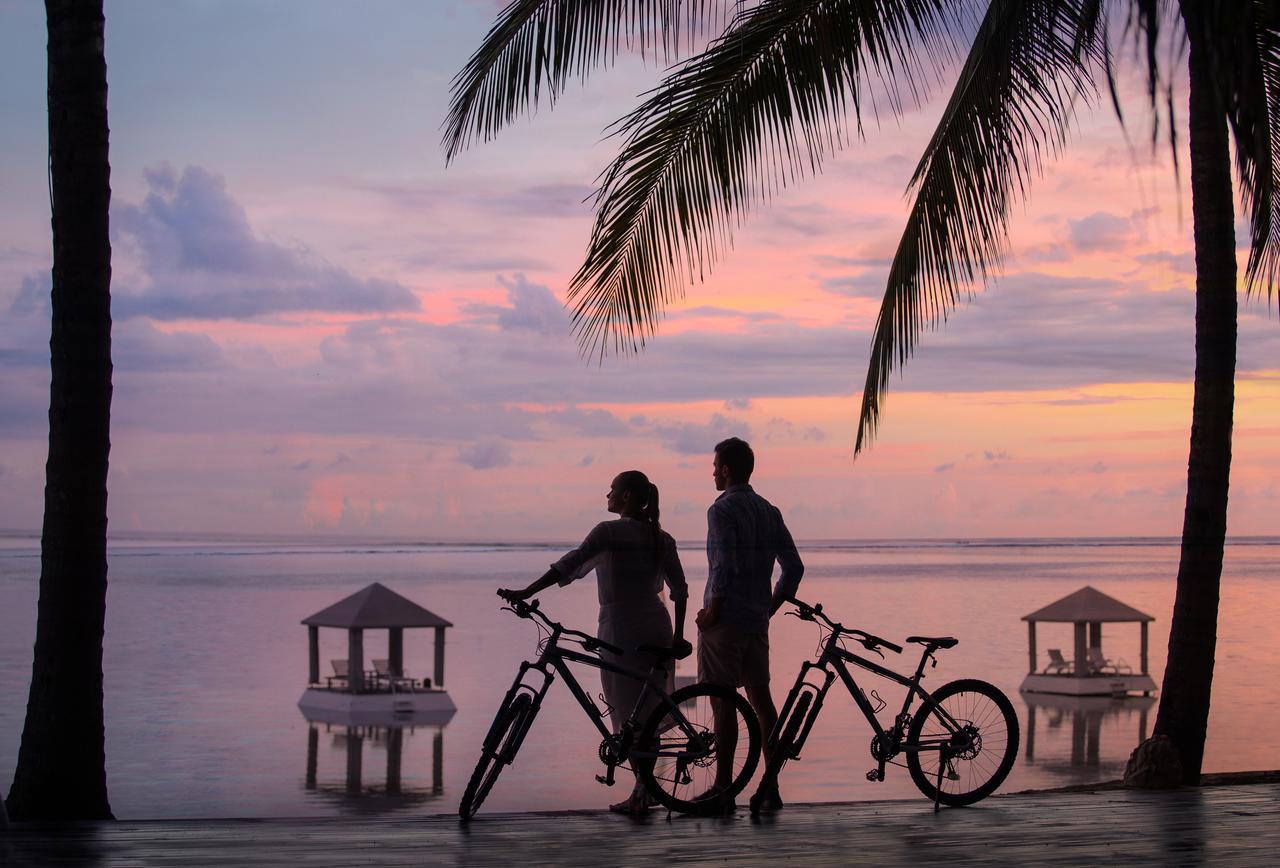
{"x": 789, "y": 735}
{"x": 493, "y": 740}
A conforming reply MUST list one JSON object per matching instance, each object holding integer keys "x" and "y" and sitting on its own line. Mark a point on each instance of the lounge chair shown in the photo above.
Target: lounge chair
{"x": 382, "y": 671}
{"x": 1058, "y": 665}
{"x": 340, "y": 674}
{"x": 1099, "y": 665}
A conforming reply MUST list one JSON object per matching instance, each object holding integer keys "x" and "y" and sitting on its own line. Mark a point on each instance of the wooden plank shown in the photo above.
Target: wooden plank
{"x": 1217, "y": 825}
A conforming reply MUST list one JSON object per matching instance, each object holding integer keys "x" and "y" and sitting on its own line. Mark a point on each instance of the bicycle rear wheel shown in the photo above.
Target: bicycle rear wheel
{"x": 499, "y": 750}
{"x": 979, "y": 753}
{"x": 687, "y": 751}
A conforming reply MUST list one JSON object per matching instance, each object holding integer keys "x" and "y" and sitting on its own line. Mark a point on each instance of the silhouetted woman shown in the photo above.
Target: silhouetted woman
{"x": 632, "y": 557}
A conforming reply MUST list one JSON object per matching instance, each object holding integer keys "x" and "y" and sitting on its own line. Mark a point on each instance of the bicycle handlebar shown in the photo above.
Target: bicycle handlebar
{"x": 868, "y": 640}
{"x": 531, "y": 610}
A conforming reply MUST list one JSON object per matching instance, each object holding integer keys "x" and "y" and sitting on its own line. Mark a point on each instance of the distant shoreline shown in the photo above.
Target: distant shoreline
{"x": 127, "y": 538}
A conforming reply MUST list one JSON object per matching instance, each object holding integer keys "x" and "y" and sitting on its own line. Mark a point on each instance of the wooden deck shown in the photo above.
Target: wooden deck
{"x": 1225, "y": 825}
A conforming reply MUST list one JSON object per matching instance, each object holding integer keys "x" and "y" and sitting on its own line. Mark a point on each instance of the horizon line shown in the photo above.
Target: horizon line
{"x": 231, "y": 537}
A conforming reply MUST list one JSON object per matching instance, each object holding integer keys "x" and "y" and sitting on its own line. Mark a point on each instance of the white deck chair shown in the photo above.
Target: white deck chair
{"x": 340, "y": 673}
{"x": 383, "y": 670}
{"x": 1099, "y": 665}
{"x": 1057, "y": 665}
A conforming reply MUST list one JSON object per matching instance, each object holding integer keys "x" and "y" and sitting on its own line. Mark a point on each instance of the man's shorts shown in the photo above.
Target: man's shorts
{"x": 735, "y": 659}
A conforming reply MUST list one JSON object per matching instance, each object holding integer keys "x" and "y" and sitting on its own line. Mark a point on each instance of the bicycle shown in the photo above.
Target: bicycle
{"x": 673, "y": 749}
{"x": 964, "y": 726}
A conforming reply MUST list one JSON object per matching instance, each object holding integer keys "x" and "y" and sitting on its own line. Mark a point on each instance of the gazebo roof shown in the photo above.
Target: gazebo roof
{"x": 375, "y": 606}
{"x": 1087, "y": 604}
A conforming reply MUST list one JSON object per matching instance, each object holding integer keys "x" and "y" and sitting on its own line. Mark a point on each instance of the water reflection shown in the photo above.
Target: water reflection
{"x": 338, "y": 751}
{"x": 1082, "y": 739}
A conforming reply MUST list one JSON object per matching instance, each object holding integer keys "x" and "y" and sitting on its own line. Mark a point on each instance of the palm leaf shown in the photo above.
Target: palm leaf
{"x": 1244, "y": 41}
{"x": 1013, "y": 104}
{"x": 1144, "y": 23}
{"x": 761, "y": 106}
{"x": 536, "y": 45}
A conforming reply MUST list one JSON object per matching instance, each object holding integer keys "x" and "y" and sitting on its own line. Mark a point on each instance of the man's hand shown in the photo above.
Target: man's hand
{"x": 521, "y": 594}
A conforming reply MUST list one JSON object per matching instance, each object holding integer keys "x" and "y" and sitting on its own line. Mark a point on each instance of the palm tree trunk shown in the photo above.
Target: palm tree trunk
{"x": 1188, "y": 676}
{"x": 61, "y": 771}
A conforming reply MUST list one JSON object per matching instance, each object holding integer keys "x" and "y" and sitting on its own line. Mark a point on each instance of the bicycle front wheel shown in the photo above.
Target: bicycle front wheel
{"x": 500, "y": 745}
{"x": 688, "y": 754}
{"x": 970, "y": 731}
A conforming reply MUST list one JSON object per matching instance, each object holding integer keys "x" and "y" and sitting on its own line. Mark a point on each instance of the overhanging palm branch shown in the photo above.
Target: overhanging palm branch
{"x": 538, "y": 44}
{"x": 762, "y": 105}
{"x": 1031, "y": 61}
{"x": 1244, "y": 38}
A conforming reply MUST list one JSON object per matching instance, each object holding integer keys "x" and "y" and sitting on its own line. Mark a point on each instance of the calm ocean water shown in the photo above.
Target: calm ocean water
{"x": 205, "y": 660}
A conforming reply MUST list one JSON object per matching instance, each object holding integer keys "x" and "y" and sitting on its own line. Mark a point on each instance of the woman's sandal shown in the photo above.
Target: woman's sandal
{"x": 636, "y": 805}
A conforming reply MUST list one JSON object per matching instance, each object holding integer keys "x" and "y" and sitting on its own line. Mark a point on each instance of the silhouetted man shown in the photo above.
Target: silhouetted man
{"x": 745, "y": 535}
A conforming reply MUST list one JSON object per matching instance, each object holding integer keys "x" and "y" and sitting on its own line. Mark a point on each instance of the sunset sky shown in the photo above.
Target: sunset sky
{"x": 319, "y": 329}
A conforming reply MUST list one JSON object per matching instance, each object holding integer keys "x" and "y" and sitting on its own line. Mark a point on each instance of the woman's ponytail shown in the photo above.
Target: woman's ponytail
{"x": 651, "y": 514}
{"x": 645, "y": 493}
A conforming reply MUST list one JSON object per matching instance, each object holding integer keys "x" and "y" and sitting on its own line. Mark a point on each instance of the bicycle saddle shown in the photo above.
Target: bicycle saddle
{"x": 661, "y": 652}
{"x": 935, "y": 641}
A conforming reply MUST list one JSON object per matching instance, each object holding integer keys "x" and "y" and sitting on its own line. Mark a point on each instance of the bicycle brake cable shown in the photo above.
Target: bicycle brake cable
{"x": 823, "y": 633}
{"x": 544, "y": 636}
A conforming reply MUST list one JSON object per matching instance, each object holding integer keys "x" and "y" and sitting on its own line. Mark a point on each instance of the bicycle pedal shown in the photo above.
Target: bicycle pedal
{"x": 606, "y": 780}
{"x": 874, "y": 776}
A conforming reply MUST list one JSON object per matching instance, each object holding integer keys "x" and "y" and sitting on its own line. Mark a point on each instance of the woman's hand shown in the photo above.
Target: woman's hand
{"x": 549, "y": 578}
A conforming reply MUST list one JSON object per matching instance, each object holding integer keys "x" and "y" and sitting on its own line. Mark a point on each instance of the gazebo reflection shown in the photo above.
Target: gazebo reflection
{"x": 1064, "y": 734}
{"x": 356, "y": 742}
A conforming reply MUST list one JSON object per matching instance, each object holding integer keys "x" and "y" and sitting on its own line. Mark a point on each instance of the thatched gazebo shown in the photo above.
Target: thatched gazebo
{"x": 1088, "y": 672}
{"x": 355, "y": 689}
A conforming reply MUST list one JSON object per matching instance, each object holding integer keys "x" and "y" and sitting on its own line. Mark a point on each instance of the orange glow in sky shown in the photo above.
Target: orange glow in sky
{"x": 320, "y": 329}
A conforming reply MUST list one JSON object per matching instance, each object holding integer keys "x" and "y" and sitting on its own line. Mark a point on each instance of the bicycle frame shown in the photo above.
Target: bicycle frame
{"x": 832, "y": 663}
{"x": 553, "y": 660}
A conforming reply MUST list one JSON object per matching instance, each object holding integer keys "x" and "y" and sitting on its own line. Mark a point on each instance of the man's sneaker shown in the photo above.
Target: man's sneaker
{"x": 770, "y": 802}
{"x": 714, "y": 803}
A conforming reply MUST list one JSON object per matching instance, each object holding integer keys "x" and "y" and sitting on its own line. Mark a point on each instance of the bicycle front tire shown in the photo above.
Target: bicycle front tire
{"x": 500, "y": 745}
{"x": 989, "y": 735}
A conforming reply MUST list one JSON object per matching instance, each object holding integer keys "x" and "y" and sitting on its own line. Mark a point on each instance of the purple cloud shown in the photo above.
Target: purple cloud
{"x": 203, "y": 260}
{"x": 485, "y": 454}
{"x": 532, "y": 307}
{"x": 33, "y": 296}
{"x": 1100, "y": 231}
{"x": 693, "y": 439}
{"x": 1182, "y": 263}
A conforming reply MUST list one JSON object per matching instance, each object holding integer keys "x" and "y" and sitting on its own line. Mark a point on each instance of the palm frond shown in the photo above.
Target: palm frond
{"x": 1144, "y": 24}
{"x": 537, "y": 45}
{"x": 1013, "y": 105}
{"x": 762, "y": 105}
{"x": 1244, "y": 40}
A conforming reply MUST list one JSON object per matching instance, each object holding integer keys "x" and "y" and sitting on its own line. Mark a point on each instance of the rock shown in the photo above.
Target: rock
{"x": 1154, "y": 765}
